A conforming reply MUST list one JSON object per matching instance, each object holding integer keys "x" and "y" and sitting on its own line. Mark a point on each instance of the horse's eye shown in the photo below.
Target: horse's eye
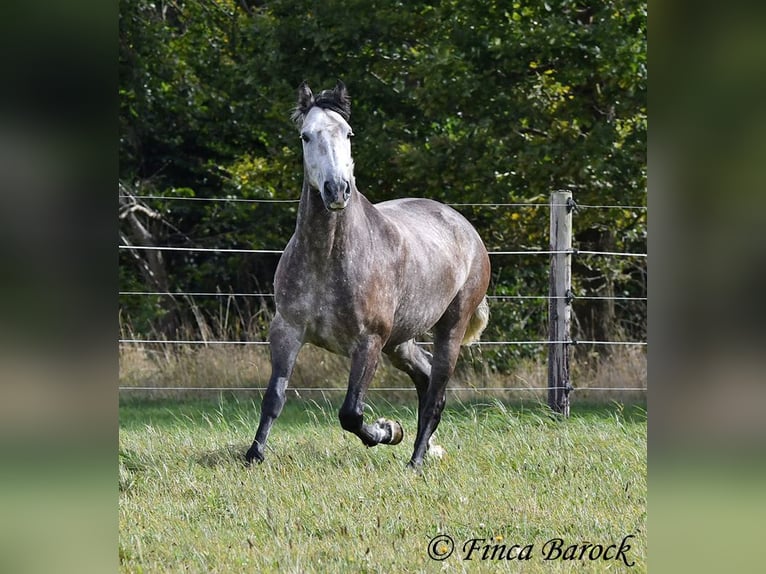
{"x": 350, "y": 135}
{"x": 305, "y": 138}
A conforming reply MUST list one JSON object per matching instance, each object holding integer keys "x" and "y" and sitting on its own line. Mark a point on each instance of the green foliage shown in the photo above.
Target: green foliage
{"x": 465, "y": 102}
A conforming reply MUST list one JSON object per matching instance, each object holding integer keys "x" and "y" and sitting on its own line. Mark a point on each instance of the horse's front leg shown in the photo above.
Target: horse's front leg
{"x": 285, "y": 342}
{"x": 364, "y": 362}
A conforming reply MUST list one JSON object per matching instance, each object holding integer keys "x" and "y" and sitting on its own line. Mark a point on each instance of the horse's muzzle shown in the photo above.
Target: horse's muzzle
{"x": 336, "y": 195}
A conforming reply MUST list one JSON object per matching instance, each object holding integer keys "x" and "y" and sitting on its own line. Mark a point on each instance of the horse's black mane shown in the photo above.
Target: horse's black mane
{"x": 336, "y": 100}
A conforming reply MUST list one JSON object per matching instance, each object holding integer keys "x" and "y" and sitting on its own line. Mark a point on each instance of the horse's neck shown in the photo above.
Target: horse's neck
{"x": 325, "y": 232}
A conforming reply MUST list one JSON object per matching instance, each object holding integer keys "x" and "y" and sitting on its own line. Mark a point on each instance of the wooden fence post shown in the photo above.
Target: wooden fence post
{"x": 559, "y": 304}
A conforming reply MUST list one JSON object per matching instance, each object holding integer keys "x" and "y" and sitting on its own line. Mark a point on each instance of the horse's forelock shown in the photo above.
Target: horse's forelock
{"x": 336, "y": 100}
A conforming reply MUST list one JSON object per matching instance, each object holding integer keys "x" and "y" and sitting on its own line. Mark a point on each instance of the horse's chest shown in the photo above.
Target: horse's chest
{"x": 327, "y": 309}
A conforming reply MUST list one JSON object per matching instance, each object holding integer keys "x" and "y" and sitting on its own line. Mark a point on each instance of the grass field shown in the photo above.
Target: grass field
{"x": 322, "y": 502}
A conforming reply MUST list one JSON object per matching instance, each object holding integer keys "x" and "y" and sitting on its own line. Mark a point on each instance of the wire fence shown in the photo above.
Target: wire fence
{"x": 500, "y": 298}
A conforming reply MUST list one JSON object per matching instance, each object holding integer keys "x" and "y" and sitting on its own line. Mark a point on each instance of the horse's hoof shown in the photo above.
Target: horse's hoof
{"x": 416, "y": 467}
{"x": 394, "y": 430}
{"x": 253, "y": 455}
{"x": 397, "y": 432}
{"x": 435, "y": 450}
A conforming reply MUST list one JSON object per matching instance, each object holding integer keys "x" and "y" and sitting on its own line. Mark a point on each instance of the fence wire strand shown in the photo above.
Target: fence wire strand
{"x": 280, "y": 251}
{"x": 421, "y": 343}
{"x": 290, "y": 200}
{"x": 267, "y": 295}
{"x": 385, "y": 389}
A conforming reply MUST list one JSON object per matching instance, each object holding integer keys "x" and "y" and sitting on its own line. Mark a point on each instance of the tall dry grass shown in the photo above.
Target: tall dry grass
{"x": 168, "y": 367}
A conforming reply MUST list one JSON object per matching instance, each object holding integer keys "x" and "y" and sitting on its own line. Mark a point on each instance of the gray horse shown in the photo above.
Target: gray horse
{"x": 359, "y": 279}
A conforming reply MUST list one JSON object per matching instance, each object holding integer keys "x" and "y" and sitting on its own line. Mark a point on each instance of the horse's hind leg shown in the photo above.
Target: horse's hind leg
{"x": 446, "y": 351}
{"x": 285, "y": 343}
{"x": 364, "y": 362}
{"x": 416, "y": 362}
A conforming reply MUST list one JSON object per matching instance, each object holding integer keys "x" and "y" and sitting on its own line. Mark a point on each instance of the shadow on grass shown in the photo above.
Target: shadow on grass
{"x": 228, "y": 455}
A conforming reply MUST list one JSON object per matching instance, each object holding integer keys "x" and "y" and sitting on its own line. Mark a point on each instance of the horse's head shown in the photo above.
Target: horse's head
{"x": 326, "y": 135}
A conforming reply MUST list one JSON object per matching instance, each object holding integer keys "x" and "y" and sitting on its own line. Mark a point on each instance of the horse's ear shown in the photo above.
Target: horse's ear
{"x": 344, "y": 101}
{"x": 305, "y": 97}
{"x": 305, "y": 101}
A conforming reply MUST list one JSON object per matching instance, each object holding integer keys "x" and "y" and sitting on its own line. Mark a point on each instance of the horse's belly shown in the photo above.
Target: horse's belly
{"x": 415, "y": 318}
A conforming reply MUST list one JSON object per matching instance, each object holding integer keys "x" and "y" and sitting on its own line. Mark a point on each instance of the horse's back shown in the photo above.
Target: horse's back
{"x": 425, "y": 221}
{"x": 443, "y": 248}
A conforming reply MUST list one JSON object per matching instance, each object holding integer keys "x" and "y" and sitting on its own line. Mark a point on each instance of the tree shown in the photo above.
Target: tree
{"x": 465, "y": 102}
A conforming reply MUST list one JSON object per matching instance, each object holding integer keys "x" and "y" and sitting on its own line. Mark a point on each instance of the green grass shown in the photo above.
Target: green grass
{"x": 322, "y": 502}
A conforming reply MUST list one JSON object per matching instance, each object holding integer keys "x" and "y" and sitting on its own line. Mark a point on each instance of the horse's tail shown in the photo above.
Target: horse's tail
{"x": 476, "y": 325}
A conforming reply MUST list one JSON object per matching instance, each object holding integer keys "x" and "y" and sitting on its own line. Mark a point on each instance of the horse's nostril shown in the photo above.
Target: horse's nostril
{"x": 333, "y": 190}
